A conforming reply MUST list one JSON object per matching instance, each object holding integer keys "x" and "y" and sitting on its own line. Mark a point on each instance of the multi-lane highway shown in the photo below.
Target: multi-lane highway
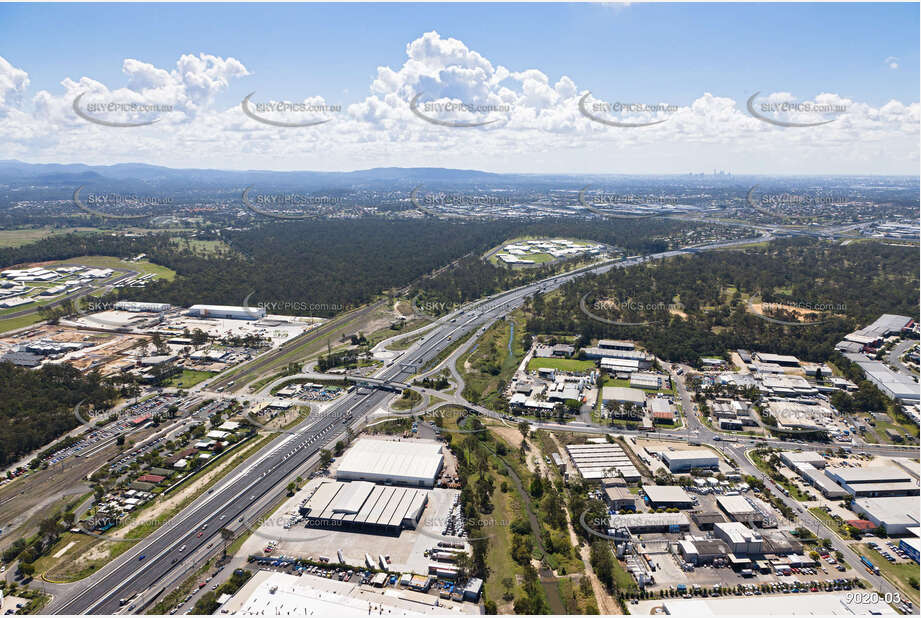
{"x": 233, "y": 502}
{"x": 236, "y": 501}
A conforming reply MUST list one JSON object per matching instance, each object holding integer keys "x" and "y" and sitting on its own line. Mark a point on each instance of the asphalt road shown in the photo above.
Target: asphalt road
{"x": 152, "y": 560}
{"x": 895, "y": 356}
{"x": 166, "y": 549}
{"x": 236, "y": 500}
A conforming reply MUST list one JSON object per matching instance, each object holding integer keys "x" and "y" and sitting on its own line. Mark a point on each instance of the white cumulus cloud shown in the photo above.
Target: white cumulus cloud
{"x": 535, "y": 123}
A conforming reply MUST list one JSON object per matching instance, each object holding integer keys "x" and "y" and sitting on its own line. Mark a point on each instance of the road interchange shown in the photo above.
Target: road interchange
{"x": 239, "y": 499}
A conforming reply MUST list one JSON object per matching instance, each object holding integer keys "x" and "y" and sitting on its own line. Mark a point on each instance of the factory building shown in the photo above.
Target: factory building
{"x": 648, "y": 380}
{"x": 702, "y": 551}
{"x": 683, "y": 461}
{"x": 784, "y": 360}
{"x": 912, "y": 544}
{"x": 416, "y": 463}
{"x": 614, "y": 344}
{"x": 227, "y": 312}
{"x": 638, "y": 523}
{"x": 739, "y": 538}
{"x": 620, "y": 365}
{"x": 667, "y": 496}
{"x": 619, "y": 394}
{"x": 706, "y": 519}
{"x": 787, "y": 386}
{"x": 897, "y": 514}
{"x": 738, "y": 509}
{"x": 134, "y": 307}
{"x": 599, "y": 461}
{"x": 812, "y": 458}
{"x": 662, "y": 410}
{"x": 595, "y": 353}
{"x": 364, "y": 506}
{"x": 781, "y": 543}
{"x": 875, "y": 482}
{"x": 894, "y": 385}
{"x": 820, "y": 481}
{"x": 619, "y": 498}
{"x": 885, "y": 325}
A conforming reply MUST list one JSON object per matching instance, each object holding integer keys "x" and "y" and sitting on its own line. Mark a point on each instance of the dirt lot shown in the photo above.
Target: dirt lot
{"x": 107, "y": 354}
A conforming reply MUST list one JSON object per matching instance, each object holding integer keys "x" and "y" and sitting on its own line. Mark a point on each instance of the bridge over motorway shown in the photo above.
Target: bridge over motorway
{"x": 387, "y": 385}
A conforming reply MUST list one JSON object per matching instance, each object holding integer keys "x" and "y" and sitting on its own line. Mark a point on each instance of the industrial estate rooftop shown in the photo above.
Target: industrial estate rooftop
{"x": 598, "y": 461}
{"x": 413, "y": 462}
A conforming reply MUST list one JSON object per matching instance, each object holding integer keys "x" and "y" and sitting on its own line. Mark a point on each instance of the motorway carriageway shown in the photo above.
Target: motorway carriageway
{"x": 164, "y": 550}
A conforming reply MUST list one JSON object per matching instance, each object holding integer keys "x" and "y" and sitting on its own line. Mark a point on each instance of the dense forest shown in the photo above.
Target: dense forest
{"x": 697, "y": 305}
{"x": 37, "y": 405}
{"x": 323, "y": 267}
{"x": 474, "y": 278}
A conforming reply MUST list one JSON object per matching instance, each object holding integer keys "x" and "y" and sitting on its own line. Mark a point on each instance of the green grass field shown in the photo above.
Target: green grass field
{"x": 201, "y": 247}
{"x": 562, "y": 364}
{"x": 493, "y": 353}
{"x": 189, "y": 378}
{"x": 829, "y": 521}
{"x": 900, "y": 574}
{"x": 25, "y": 236}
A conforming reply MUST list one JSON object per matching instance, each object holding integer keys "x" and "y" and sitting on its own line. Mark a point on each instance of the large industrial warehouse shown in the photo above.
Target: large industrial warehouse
{"x": 227, "y": 312}
{"x": 897, "y": 514}
{"x": 597, "y": 461}
{"x": 416, "y": 463}
{"x": 739, "y": 509}
{"x": 684, "y": 461}
{"x": 874, "y": 482}
{"x": 638, "y": 523}
{"x": 364, "y": 506}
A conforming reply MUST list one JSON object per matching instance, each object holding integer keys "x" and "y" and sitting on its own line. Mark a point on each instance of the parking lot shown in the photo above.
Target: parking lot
{"x": 889, "y": 550}
{"x": 669, "y": 574}
{"x": 407, "y": 552}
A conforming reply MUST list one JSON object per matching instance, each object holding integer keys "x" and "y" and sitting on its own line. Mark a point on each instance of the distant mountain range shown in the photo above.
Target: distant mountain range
{"x": 12, "y": 171}
{"x": 18, "y": 174}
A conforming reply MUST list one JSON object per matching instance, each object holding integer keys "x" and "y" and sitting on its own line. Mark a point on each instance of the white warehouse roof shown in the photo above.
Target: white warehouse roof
{"x": 898, "y": 514}
{"x": 690, "y": 455}
{"x": 666, "y": 494}
{"x": 620, "y": 393}
{"x": 227, "y": 311}
{"x": 735, "y": 505}
{"x": 410, "y": 462}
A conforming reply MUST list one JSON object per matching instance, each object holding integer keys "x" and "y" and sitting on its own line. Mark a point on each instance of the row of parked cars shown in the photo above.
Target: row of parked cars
{"x": 885, "y": 554}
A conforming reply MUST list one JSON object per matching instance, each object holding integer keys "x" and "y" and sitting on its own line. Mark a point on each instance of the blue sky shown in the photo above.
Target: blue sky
{"x": 665, "y": 51}
{"x": 674, "y": 53}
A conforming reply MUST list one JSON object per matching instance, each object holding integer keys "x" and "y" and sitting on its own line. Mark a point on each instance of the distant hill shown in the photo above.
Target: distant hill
{"x": 17, "y": 172}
